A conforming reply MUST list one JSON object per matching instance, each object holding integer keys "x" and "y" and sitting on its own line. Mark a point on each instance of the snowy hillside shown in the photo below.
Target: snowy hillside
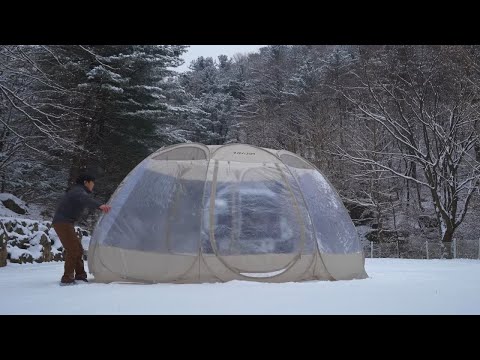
{"x": 394, "y": 286}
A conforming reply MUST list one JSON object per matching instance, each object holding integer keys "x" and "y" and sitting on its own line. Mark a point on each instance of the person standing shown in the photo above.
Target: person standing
{"x": 69, "y": 210}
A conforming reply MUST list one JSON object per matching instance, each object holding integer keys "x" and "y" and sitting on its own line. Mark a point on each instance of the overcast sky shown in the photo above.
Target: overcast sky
{"x": 194, "y": 51}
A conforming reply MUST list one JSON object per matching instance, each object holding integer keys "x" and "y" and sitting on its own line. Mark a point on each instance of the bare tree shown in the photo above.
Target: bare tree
{"x": 33, "y": 121}
{"x": 426, "y": 103}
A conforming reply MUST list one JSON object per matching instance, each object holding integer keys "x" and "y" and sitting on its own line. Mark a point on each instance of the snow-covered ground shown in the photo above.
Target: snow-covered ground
{"x": 395, "y": 286}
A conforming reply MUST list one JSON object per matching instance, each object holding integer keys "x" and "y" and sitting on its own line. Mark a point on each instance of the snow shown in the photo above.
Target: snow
{"x": 53, "y": 236}
{"x": 7, "y": 212}
{"x": 33, "y": 210}
{"x": 85, "y": 242}
{"x": 114, "y": 89}
{"x": 395, "y": 286}
{"x": 7, "y": 196}
{"x": 16, "y": 252}
{"x": 18, "y": 219}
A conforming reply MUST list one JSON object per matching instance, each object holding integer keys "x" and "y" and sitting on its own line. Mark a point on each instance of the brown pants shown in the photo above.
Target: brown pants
{"x": 74, "y": 268}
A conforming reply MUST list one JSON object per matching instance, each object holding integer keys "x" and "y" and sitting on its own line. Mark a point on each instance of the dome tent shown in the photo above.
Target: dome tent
{"x": 193, "y": 213}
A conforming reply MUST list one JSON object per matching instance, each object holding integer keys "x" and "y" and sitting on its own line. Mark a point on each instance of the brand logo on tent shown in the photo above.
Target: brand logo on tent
{"x": 243, "y": 153}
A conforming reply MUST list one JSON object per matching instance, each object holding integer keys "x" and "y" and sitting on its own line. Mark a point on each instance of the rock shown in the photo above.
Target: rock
{"x": 19, "y": 230}
{"x": 21, "y": 243}
{"x": 46, "y": 248}
{"x": 9, "y": 226}
{"x": 24, "y": 258}
{"x": 44, "y": 240}
{"x": 12, "y": 205}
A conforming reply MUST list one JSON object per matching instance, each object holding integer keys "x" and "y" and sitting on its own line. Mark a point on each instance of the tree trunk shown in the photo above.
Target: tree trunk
{"x": 87, "y": 136}
{"x": 3, "y": 248}
{"x": 408, "y": 192}
{"x": 78, "y": 165}
{"x": 417, "y": 186}
{"x": 447, "y": 243}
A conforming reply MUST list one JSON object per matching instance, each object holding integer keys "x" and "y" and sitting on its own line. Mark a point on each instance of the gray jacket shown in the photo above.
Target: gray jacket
{"x": 73, "y": 204}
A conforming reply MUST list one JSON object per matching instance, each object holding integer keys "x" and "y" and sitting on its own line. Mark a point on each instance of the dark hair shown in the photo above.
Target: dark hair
{"x": 84, "y": 177}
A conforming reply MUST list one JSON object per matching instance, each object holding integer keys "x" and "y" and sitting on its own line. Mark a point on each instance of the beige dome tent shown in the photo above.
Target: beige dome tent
{"x": 192, "y": 213}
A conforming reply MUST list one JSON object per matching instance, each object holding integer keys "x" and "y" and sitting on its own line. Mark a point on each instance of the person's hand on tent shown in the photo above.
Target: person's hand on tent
{"x": 105, "y": 208}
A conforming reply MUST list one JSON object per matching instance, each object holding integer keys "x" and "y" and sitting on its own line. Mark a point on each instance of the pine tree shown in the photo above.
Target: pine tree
{"x": 213, "y": 99}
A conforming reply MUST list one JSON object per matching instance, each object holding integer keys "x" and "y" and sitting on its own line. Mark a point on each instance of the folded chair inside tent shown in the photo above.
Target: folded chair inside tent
{"x": 194, "y": 213}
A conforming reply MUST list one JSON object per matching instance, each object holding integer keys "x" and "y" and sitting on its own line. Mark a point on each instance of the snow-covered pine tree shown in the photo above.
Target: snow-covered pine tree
{"x": 214, "y": 94}
{"x": 124, "y": 91}
{"x": 263, "y": 112}
{"x": 102, "y": 108}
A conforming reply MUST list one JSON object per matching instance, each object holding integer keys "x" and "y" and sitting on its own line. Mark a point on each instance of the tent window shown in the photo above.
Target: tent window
{"x": 182, "y": 153}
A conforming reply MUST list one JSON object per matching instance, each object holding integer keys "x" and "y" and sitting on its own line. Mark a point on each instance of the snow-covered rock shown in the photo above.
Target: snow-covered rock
{"x": 12, "y": 205}
{"x": 26, "y": 241}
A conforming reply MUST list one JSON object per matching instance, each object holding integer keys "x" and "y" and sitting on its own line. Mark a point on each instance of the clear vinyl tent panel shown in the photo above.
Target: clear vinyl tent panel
{"x": 162, "y": 214}
{"x": 334, "y": 229}
{"x": 252, "y": 211}
{"x": 193, "y": 213}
